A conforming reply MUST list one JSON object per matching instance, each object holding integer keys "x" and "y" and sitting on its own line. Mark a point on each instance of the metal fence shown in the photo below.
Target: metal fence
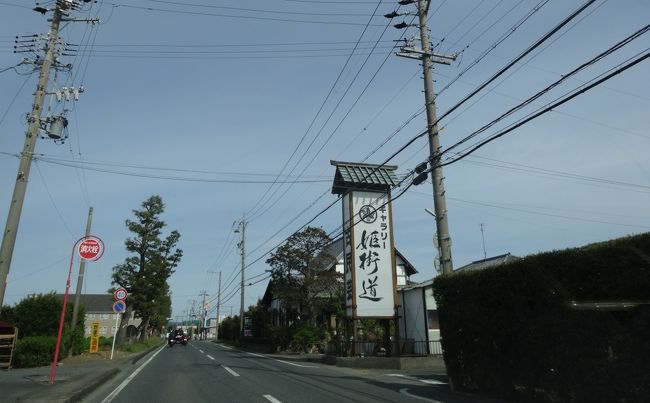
{"x": 360, "y": 348}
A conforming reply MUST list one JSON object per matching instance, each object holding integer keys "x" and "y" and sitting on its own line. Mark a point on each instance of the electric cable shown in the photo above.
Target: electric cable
{"x": 247, "y": 17}
{"x": 251, "y": 212}
{"x": 563, "y": 78}
{"x": 566, "y": 98}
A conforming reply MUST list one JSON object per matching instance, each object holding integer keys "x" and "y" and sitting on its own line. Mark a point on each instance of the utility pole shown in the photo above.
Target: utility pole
{"x": 34, "y": 125}
{"x": 203, "y": 314}
{"x": 483, "y": 237}
{"x": 218, "y": 306}
{"x": 242, "y": 248}
{"x": 426, "y": 55}
{"x": 80, "y": 278}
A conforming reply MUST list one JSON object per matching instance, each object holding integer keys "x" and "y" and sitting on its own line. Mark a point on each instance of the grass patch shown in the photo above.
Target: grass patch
{"x": 143, "y": 345}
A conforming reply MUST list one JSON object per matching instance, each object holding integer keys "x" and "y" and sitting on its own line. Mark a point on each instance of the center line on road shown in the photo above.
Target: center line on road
{"x": 272, "y": 399}
{"x": 233, "y": 373}
{"x": 256, "y": 355}
{"x": 221, "y": 345}
{"x": 201, "y": 351}
{"x": 209, "y": 356}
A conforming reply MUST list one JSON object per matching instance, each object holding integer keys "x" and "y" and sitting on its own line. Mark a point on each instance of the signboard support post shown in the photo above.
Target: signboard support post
{"x": 117, "y": 321}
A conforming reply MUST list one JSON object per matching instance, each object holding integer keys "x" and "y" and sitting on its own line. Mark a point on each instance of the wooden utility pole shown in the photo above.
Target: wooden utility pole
{"x": 218, "y": 306}
{"x": 34, "y": 125}
{"x": 242, "y": 247}
{"x": 428, "y": 58}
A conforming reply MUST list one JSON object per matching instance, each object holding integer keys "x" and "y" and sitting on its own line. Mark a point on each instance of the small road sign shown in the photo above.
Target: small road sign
{"x": 119, "y": 306}
{"x": 120, "y": 294}
{"x": 91, "y": 248}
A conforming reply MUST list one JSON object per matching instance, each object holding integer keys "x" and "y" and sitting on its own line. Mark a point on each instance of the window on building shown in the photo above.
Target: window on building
{"x": 90, "y": 316}
{"x": 103, "y": 330}
{"x": 104, "y": 316}
{"x": 432, "y": 319}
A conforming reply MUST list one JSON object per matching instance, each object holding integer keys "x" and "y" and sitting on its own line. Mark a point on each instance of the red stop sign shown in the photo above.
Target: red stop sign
{"x": 91, "y": 248}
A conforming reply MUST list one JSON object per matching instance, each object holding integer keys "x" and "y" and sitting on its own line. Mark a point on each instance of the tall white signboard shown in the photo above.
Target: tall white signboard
{"x": 370, "y": 279}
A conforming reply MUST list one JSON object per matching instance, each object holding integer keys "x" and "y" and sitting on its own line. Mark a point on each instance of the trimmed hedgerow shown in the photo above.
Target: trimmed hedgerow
{"x": 34, "y": 351}
{"x": 510, "y": 331}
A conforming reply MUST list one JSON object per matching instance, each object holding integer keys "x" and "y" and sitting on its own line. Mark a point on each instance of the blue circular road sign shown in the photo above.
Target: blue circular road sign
{"x": 119, "y": 306}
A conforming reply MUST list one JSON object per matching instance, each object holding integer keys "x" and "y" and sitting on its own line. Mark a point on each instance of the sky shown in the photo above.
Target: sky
{"x": 232, "y": 109}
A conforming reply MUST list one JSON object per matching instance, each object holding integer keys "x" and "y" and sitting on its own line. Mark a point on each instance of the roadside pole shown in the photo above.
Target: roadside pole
{"x": 89, "y": 248}
{"x": 80, "y": 279}
{"x": 20, "y": 188}
{"x": 117, "y": 322}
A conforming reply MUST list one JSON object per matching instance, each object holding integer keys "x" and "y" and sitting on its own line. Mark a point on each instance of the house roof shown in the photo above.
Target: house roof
{"x": 336, "y": 249}
{"x": 477, "y": 265}
{"x": 489, "y": 262}
{"x": 94, "y": 302}
{"x": 352, "y": 175}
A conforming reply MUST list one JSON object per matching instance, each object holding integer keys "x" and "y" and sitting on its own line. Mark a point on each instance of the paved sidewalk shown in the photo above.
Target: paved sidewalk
{"x": 72, "y": 382}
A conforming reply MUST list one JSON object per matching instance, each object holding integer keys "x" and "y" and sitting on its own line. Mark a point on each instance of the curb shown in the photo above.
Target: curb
{"x": 139, "y": 356}
{"x": 93, "y": 384}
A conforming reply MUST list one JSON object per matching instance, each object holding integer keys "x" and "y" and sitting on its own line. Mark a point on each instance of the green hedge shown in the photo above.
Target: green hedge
{"x": 509, "y": 331}
{"x": 34, "y": 351}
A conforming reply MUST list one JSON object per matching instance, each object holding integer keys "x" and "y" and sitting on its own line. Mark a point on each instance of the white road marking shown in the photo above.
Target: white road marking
{"x": 221, "y": 345}
{"x": 428, "y": 381}
{"x": 210, "y": 357}
{"x": 201, "y": 351}
{"x": 272, "y": 399}
{"x": 432, "y": 382}
{"x": 297, "y": 365}
{"x": 125, "y": 382}
{"x": 285, "y": 362}
{"x": 404, "y": 392}
{"x": 233, "y": 373}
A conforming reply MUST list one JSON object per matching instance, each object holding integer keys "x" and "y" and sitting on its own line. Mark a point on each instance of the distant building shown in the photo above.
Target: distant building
{"x": 99, "y": 308}
{"x": 489, "y": 262}
{"x": 278, "y": 307}
{"x": 418, "y": 309}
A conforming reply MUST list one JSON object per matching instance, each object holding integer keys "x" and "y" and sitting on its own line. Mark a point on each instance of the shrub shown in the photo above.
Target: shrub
{"x": 34, "y": 351}
{"x": 306, "y": 336}
{"x": 511, "y": 331}
{"x": 281, "y": 337}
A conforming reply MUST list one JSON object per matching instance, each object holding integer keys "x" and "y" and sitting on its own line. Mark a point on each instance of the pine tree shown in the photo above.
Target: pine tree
{"x": 144, "y": 274}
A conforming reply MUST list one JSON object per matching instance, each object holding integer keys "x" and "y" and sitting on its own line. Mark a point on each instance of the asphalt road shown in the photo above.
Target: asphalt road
{"x": 209, "y": 372}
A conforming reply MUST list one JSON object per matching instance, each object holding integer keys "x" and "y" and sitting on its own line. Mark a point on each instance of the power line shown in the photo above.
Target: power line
{"x": 248, "y": 17}
{"x": 566, "y": 98}
{"x": 255, "y": 209}
{"x": 82, "y": 165}
{"x": 563, "y": 78}
{"x": 529, "y": 169}
{"x": 283, "y": 12}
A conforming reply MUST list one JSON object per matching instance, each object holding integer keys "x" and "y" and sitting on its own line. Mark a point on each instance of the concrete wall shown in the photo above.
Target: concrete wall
{"x": 428, "y": 362}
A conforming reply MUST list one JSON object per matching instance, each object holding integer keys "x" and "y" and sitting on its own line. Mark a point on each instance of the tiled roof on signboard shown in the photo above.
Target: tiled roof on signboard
{"x": 358, "y": 176}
